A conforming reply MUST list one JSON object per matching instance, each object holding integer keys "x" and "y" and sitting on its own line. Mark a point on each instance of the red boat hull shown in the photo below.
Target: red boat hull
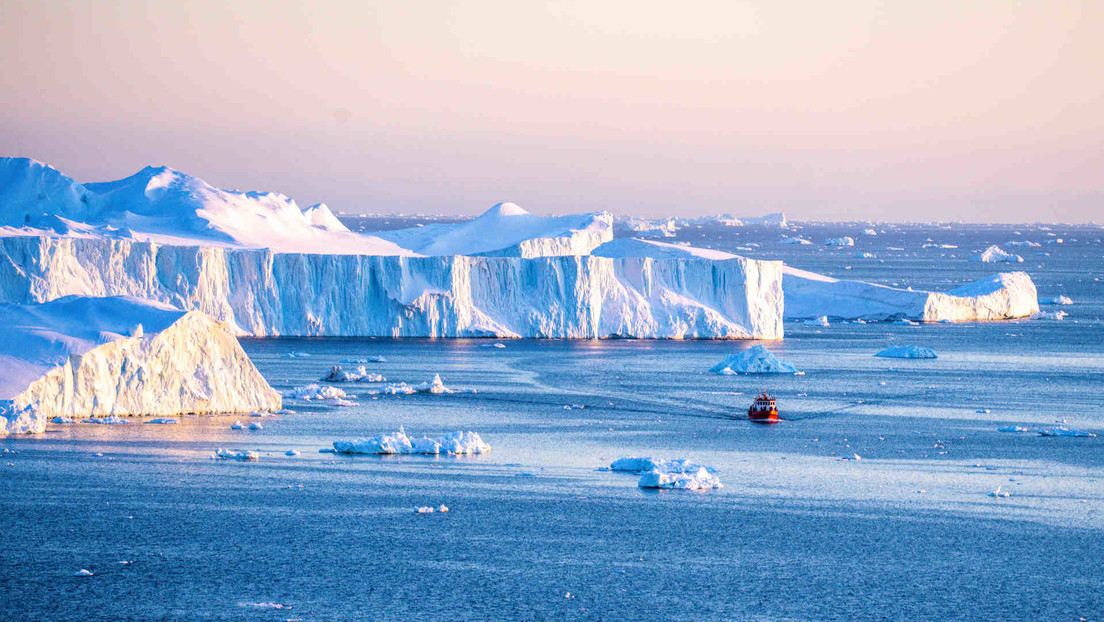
{"x": 760, "y": 416}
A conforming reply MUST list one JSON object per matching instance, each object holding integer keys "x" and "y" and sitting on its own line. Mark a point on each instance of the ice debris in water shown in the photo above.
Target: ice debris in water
{"x": 297, "y": 355}
{"x": 1060, "y": 300}
{"x": 642, "y": 465}
{"x": 1064, "y": 431}
{"x": 360, "y": 374}
{"x": 237, "y": 425}
{"x": 230, "y": 454}
{"x": 1049, "y": 315}
{"x": 401, "y": 388}
{"x": 83, "y": 573}
{"x": 163, "y": 421}
{"x": 994, "y": 254}
{"x": 904, "y": 322}
{"x": 291, "y": 452}
{"x": 455, "y": 443}
{"x": 109, "y": 420}
{"x": 492, "y": 345}
{"x": 677, "y": 474}
{"x": 369, "y": 359}
{"x": 256, "y": 426}
{"x": 1013, "y": 428}
{"x": 701, "y": 479}
{"x": 1000, "y": 493}
{"x": 907, "y": 352}
{"x": 755, "y": 360}
{"x": 818, "y": 321}
{"x": 315, "y": 392}
{"x": 63, "y": 420}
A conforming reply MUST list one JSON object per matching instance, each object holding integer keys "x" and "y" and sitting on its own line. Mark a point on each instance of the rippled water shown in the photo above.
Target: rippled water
{"x": 536, "y": 531}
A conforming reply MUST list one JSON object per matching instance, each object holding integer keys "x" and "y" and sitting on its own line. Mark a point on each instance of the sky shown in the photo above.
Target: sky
{"x": 981, "y": 111}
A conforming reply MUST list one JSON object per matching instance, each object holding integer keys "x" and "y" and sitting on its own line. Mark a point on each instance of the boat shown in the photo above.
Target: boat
{"x": 763, "y": 409}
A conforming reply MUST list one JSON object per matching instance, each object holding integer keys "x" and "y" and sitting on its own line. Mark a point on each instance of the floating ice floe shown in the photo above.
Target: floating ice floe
{"x": 297, "y": 355}
{"x": 492, "y": 345}
{"x": 455, "y": 443}
{"x": 360, "y": 374}
{"x": 1060, "y": 300}
{"x": 436, "y": 386}
{"x": 315, "y": 392}
{"x": 643, "y": 465}
{"x": 83, "y": 573}
{"x": 163, "y": 421}
{"x": 907, "y": 352}
{"x": 1050, "y": 315}
{"x": 230, "y": 454}
{"x": 108, "y": 420}
{"x": 994, "y": 254}
{"x": 256, "y": 426}
{"x": 701, "y": 479}
{"x": 1013, "y": 428}
{"x": 63, "y": 420}
{"x": 755, "y": 360}
{"x": 237, "y": 425}
{"x": 375, "y": 358}
{"x": 1064, "y": 431}
{"x": 844, "y": 241}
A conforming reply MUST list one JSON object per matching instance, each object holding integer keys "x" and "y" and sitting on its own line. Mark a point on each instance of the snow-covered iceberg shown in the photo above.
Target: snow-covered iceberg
{"x": 1001, "y": 296}
{"x": 755, "y": 360}
{"x": 907, "y": 352}
{"x": 106, "y": 357}
{"x": 263, "y": 293}
{"x": 507, "y": 230}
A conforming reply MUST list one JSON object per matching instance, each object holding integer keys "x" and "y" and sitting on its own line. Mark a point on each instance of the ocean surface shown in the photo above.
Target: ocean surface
{"x": 536, "y": 529}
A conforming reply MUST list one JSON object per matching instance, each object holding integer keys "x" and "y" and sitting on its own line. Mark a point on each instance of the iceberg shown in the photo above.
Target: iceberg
{"x": 755, "y": 360}
{"x": 315, "y": 392}
{"x": 507, "y": 230}
{"x": 994, "y": 254}
{"x": 844, "y": 241}
{"x": 118, "y": 356}
{"x": 1064, "y": 431}
{"x": 1060, "y": 300}
{"x": 455, "y": 443}
{"x": 230, "y": 454}
{"x": 262, "y": 293}
{"x": 907, "y": 352}
{"x": 701, "y": 479}
{"x": 643, "y": 465}
{"x": 435, "y": 386}
{"x": 1002, "y": 296}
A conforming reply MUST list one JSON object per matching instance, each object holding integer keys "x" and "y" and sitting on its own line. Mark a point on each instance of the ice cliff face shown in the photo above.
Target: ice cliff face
{"x": 263, "y": 293}
{"x": 1001, "y": 296}
{"x": 83, "y": 357}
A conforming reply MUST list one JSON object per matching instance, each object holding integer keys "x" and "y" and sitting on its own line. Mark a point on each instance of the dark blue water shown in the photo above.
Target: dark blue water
{"x": 535, "y": 531}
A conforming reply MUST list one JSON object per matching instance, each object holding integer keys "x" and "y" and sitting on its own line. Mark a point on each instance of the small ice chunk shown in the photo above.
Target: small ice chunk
{"x": 83, "y": 573}
{"x": 60, "y": 419}
{"x": 818, "y": 321}
{"x": 1064, "y": 431}
{"x": 256, "y": 426}
{"x": 701, "y": 479}
{"x": 425, "y": 509}
{"x": 907, "y": 352}
{"x": 291, "y": 452}
{"x": 297, "y": 355}
{"x": 230, "y": 454}
{"x": 843, "y": 241}
{"x": 237, "y": 425}
{"x": 455, "y": 443}
{"x": 1002, "y": 494}
{"x": 1013, "y": 428}
{"x": 316, "y": 392}
{"x": 643, "y": 465}
{"x": 994, "y": 254}
{"x": 442, "y": 508}
{"x": 109, "y": 420}
{"x": 435, "y": 386}
{"x": 163, "y": 421}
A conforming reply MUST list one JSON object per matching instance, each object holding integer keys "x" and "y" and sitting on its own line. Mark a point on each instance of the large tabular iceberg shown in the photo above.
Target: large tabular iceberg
{"x": 98, "y": 357}
{"x": 264, "y": 293}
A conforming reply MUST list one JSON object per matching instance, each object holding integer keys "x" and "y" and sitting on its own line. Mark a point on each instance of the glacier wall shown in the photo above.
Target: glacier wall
{"x": 263, "y": 293}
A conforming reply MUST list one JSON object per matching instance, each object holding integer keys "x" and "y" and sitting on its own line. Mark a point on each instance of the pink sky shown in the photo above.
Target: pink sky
{"x": 988, "y": 110}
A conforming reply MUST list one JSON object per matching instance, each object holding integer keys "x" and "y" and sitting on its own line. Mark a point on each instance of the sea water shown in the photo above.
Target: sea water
{"x": 536, "y": 529}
